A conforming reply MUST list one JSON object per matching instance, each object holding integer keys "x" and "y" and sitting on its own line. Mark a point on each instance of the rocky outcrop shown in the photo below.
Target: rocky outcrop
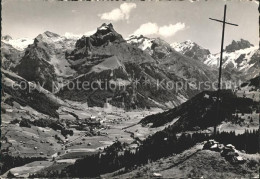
{"x": 227, "y": 151}
{"x": 104, "y": 35}
{"x": 238, "y": 45}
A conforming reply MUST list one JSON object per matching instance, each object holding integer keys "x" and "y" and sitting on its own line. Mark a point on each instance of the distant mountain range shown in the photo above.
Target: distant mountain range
{"x": 240, "y": 57}
{"x": 138, "y": 62}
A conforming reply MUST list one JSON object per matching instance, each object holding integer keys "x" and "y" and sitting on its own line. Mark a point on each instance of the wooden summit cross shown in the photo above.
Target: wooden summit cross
{"x": 220, "y": 64}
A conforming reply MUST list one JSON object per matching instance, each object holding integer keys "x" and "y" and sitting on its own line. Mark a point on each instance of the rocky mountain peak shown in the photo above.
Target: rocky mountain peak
{"x": 48, "y": 37}
{"x": 184, "y": 46}
{"x": 104, "y": 35}
{"x": 191, "y": 49}
{"x": 238, "y": 45}
{"x": 189, "y": 42}
{"x": 6, "y": 37}
{"x": 156, "y": 47}
{"x": 106, "y": 27}
{"x": 51, "y": 34}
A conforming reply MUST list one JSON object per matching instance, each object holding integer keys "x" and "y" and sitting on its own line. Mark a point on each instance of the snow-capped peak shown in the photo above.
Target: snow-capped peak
{"x": 183, "y": 46}
{"x": 142, "y": 42}
{"x": 19, "y": 44}
{"x": 48, "y": 37}
{"x": 103, "y": 27}
{"x": 231, "y": 58}
{"x": 69, "y": 35}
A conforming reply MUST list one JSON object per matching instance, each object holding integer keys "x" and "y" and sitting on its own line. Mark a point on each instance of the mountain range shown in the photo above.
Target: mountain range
{"x": 139, "y": 62}
{"x": 240, "y": 58}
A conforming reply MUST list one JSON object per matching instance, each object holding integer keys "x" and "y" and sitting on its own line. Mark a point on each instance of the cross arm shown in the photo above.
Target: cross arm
{"x": 222, "y": 21}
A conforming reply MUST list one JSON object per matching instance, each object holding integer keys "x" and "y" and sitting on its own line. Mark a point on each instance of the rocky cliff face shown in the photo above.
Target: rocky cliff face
{"x": 44, "y": 61}
{"x": 238, "y": 45}
{"x": 10, "y": 56}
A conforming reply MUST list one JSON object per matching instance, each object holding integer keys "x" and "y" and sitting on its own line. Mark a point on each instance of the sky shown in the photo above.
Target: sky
{"x": 173, "y": 21}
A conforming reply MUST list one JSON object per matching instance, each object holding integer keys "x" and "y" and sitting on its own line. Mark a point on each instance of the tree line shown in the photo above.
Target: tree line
{"x": 161, "y": 144}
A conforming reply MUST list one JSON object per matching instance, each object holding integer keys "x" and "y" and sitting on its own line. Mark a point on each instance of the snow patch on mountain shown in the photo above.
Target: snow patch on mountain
{"x": 184, "y": 46}
{"x": 142, "y": 42}
{"x": 155, "y": 47}
{"x": 232, "y": 58}
{"x": 19, "y": 44}
{"x": 241, "y": 56}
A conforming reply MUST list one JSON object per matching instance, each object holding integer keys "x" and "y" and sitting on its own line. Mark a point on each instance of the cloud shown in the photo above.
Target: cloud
{"x": 170, "y": 30}
{"x": 121, "y": 13}
{"x": 147, "y": 29}
{"x": 165, "y": 31}
{"x": 126, "y": 8}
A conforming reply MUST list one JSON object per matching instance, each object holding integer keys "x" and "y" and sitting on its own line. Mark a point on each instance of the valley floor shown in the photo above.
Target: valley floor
{"x": 49, "y": 150}
{"x": 42, "y": 142}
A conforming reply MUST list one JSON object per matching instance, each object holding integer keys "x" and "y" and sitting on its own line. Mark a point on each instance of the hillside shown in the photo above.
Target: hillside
{"x": 193, "y": 163}
{"x": 17, "y": 89}
{"x": 200, "y": 111}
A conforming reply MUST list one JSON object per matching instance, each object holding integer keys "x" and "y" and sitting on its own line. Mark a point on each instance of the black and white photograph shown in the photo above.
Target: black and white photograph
{"x": 130, "y": 89}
